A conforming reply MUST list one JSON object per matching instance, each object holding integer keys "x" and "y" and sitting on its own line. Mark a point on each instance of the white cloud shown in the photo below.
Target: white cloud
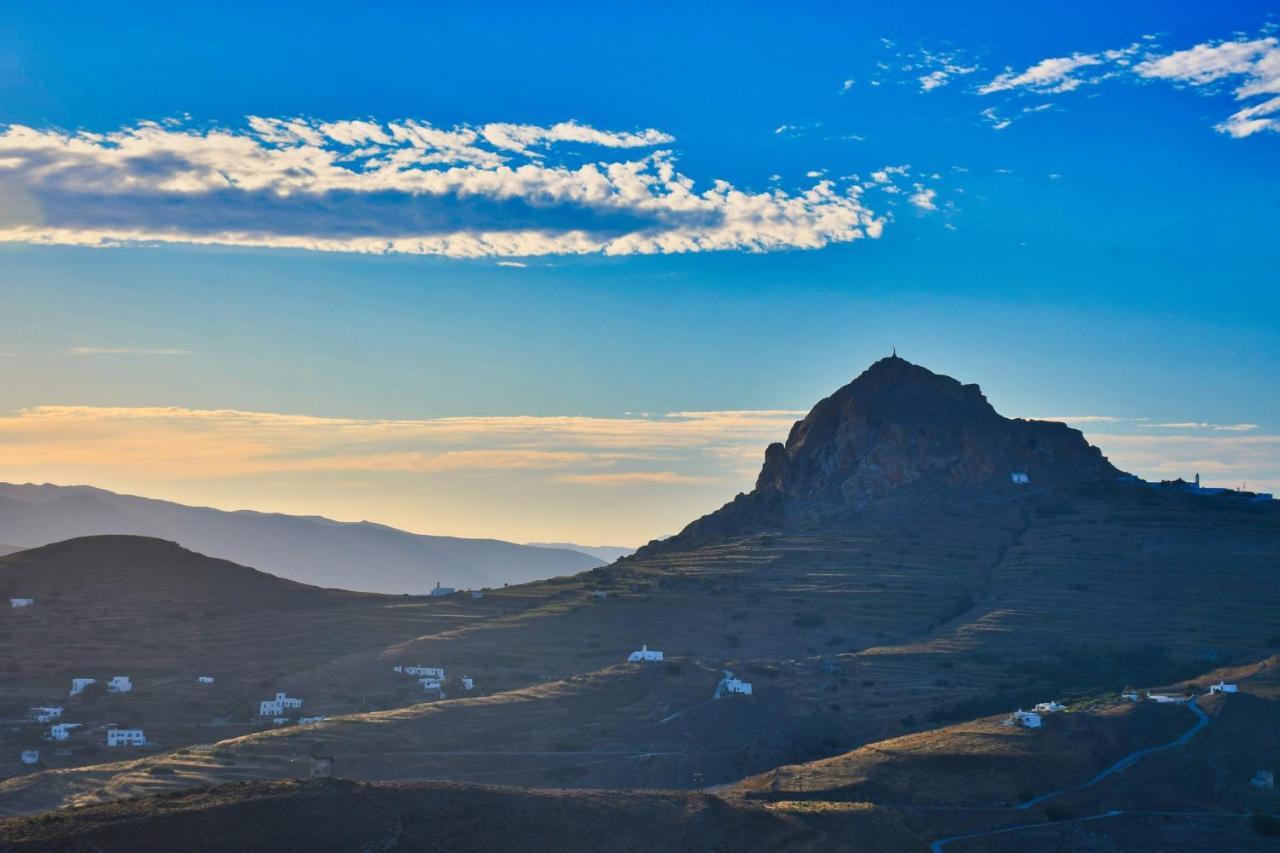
{"x": 1254, "y": 64}
{"x": 1250, "y": 65}
{"x": 514, "y": 264}
{"x": 1200, "y": 425}
{"x": 401, "y": 186}
{"x": 125, "y": 351}
{"x": 923, "y": 198}
{"x": 91, "y": 443}
{"x": 1047, "y": 75}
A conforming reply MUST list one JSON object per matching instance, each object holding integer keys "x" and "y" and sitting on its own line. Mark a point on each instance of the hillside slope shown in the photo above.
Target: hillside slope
{"x": 897, "y": 605}
{"x": 318, "y": 551}
{"x": 341, "y": 815}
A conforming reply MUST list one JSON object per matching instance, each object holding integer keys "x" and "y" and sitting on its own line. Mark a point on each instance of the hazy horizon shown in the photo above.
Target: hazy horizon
{"x": 570, "y": 297}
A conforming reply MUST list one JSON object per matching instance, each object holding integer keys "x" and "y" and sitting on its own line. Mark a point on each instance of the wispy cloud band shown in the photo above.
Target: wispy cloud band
{"x": 400, "y": 186}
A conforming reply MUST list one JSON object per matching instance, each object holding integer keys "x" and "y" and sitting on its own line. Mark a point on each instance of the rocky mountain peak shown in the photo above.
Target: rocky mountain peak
{"x": 900, "y": 426}
{"x": 899, "y": 423}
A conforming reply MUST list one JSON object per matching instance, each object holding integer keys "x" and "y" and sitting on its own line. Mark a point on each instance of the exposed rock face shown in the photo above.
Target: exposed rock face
{"x": 900, "y": 425}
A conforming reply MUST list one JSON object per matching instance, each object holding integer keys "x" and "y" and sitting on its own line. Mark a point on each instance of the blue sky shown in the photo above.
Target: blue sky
{"x": 349, "y": 227}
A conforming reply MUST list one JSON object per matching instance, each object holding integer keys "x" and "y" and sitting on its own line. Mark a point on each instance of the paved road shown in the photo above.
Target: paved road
{"x": 1202, "y": 720}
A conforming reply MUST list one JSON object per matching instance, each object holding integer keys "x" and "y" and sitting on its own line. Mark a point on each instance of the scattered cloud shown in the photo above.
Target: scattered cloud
{"x": 404, "y": 186}
{"x": 1254, "y": 66}
{"x": 1153, "y": 450}
{"x": 125, "y": 351}
{"x": 1202, "y": 425}
{"x": 1224, "y": 460}
{"x": 923, "y": 197}
{"x": 1056, "y": 74}
{"x": 93, "y": 444}
{"x": 1250, "y": 67}
{"x": 515, "y": 264}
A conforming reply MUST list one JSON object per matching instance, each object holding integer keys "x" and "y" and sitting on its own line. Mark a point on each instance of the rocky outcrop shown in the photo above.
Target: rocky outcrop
{"x": 900, "y": 426}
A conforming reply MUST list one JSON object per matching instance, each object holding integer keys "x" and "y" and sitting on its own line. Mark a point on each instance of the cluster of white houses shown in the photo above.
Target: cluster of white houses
{"x": 278, "y": 706}
{"x": 432, "y": 677}
{"x": 117, "y": 684}
{"x": 1034, "y": 718}
{"x": 21, "y": 602}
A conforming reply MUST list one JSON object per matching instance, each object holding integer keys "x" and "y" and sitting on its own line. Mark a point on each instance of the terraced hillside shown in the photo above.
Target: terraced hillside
{"x": 887, "y": 578}
{"x": 339, "y": 815}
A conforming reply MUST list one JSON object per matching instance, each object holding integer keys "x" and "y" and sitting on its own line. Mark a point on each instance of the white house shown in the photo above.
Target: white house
{"x": 1164, "y": 699}
{"x": 645, "y": 654}
{"x": 79, "y": 684}
{"x": 30, "y": 756}
{"x": 62, "y": 731}
{"x": 1222, "y": 687}
{"x": 443, "y": 590}
{"x": 468, "y": 683}
{"x": 281, "y": 721}
{"x": 21, "y": 602}
{"x": 305, "y": 721}
{"x": 1019, "y": 478}
{"x": 737, "y": 685}
{"x": 599, "y": 593}
{"x": 277, "y": 706}
{"x": 46, "y": 713}
{"x": 1049, "y": 707}
{"x": 119, "y": 684}
{"x": 428, "y": 671}
{"x": 205, "y": 679}
{"x": 1131, "y": 695}
{"x": 1027, "y": 719}
{"x": 431, "y": 683}
{"x": 125, "y": 737}
{"x": 477, "y": 594}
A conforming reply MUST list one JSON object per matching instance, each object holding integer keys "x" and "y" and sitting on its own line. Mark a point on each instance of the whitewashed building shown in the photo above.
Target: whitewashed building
{"x": 21, "y": 602}
{"x": 62, "y": 731}
{"x": 443, "y": 590}
{"x": 205, "y": 679}
{"x": 1027, "y": 719}
{"x": 468, "y": 683}
{"x": 1223, "y": 687}
{"x": 79, "y": 684}
{"x": 1019, "y": 478}
{"x": 1049, "y": 708}
{"x": 645, "y": 654}
{"x": 281, "y": 721}
{"x": 125, "y": 737}
{"x": 277, "y": 706}
{"x": 431, "y": 683}
{"x": 1165, "y": 699}
{"x": 30, "y": 756}
{"x": 306, "y": 721}
{"x": 737, "y": 685}
{"x": 46, "y": 713}
{"x": 119, "y": 684}
{"x": 1131, "y": 696}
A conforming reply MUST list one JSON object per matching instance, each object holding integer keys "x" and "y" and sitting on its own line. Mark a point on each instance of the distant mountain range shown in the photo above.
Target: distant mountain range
{"x": 358, "y": 556}
{"x": 607, "y": 553}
